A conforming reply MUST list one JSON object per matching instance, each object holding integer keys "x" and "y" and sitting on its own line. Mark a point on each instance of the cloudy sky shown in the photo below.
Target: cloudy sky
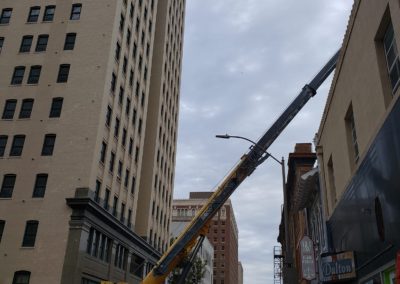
{"x": 244, "y": 62}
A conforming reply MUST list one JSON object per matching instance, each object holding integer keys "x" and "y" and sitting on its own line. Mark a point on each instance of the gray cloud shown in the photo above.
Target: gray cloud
{"x": 244, "y": 61}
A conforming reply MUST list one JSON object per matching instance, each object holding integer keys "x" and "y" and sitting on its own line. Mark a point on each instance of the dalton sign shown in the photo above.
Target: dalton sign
{"x": 339, "y": 266}
{"x": 307, "y": 258}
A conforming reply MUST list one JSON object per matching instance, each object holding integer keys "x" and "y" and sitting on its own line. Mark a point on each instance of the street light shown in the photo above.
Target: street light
{"x": 288, "y": 254}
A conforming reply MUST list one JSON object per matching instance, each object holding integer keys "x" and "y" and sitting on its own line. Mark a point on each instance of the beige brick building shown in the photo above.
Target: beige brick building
{"x": 89, "y": 94}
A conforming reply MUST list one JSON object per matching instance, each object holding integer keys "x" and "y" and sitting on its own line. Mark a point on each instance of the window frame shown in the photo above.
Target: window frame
{"x": 33, "y": 18}
{"x": 34, "y": 74}
{"x": 39, "y": 188}
{"x": 56, "y": 107}
{"x": 26, "y": 44}
{"x": 41, "y": 45}
{"x": 30, "y": 233}
{"x": 3, "y": 144}
{"x": 391, "y": 50}
{"x": 8, "y": 113}
{"x": 49, "y": 143}
{"x": 63, "y": 73}
{"x": 17, "y": 145}
{"x": 5, "y": 19}
{"x": 75, "y": 16}
{"x": 8, "y": 185}
{"x": 24, "y": 111}
{"x": 18, "y": 75}
{"x": 49, "y": 17}
{"x": 70, "y": 39}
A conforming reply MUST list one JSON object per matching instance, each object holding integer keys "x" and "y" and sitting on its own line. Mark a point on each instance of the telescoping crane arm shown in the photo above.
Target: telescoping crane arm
{"x": 245, "y": 167}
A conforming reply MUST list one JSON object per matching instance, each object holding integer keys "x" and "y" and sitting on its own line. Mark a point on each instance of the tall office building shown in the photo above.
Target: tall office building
{"x": 223, "y": 234}
{"x": 82, "y": 85}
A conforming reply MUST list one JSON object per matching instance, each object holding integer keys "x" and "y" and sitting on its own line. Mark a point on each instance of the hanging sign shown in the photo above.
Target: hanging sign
{"x": 307, "y": 258}
{"x": 338, "y": 266}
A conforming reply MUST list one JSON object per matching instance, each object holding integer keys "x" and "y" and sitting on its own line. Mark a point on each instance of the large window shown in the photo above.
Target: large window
{"x": 34, "y": 74}
{"x": 26, "y": 108}
{"x": 49, "y": 13}
{"x": 392, "y": 57}
{"x": 63, "y": 73}
{"x": 17, "y": 145}
{"x": 7, "y": 186}
{"x": 76, "y": 12}
{"x": 26, "y": 43}
{"x": 41, "y": 44}
{"x": 21, "y": 277}
{"x": 98, "y": 245}
{"x": 48, "y": 144}
{"x": 30, "y": 233}
{"x": 33, "y": 14}
{"x": 5, "y": 16}
{"x": 56, "y": 107}
{"x": 70, "y": 41}
{"x": 3, "y": 144}
{"x": 18, "y": 75}
{"x": 40, "y": 185}
{"x": 9, "y": 109}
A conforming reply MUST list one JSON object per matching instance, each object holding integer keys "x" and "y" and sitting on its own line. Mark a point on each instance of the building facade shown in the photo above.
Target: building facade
{"x": 357, "y": 145}
{"x": 82, "y": 88}
{"x": 223, "y": 234}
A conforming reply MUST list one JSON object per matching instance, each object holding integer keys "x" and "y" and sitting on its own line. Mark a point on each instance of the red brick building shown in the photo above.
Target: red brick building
{"x": 223, "y": 234}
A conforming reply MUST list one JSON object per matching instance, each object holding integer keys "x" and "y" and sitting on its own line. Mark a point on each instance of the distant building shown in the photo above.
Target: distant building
{"x": 223, "y": 234}
{"x": 240, "y": 273}
{"x": 206, "y": 252}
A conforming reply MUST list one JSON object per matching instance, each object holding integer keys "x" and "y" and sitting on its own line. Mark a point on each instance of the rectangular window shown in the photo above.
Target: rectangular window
{"x": 5, "y": 16}
{"x": 18, "y": 75}
{"x": 117, "y": 51}
{"x": 40, "y": 186}
{"x": 3, "y": 144}
{"x": 21, "y": 277}
{"x": 125, "y": 65}
{"x": 113, "y": 82}
{"x": 33, "y": 14}
{"x": 122, "y": 219}
{"x": 130, "y": 148}
{"x": 63, "y": 73}
{"x": 76, "y": 12}
{"x": 1, "y": 43}
{"x": 116, "y": 127}
{"x": 49, "y": 13}
{"x": 124, "y": 132}
{"x": 115, "y": 205}
{"x": 392, "y": 57}
{"x": 17, "y": 145}
{"x": 103, "y": 152}
{"x": 121, "y": 95}
{"x": 106, "y": 199}
{"x": 332, "y": 185}
{"x": 112, "y": 162}
{"x": 26, "y": 43}
{"x": 34, "y": 74}
{"x": 7, "y": 186}
{"x": 121, "y": 23}
{"x": 56, "y": 107}
{"x": 119, "y": 169}
{"x": 26, "y": 108}
{"x": 30, "y": 233}
{"x": 126, "y": 181}
{"x": 9, "y": 109}
{"x": 352, "y": 136}
{"x": 137, "y": 155}
{"x": 41, "y": 44}
{"x": 70, "y": 41}
{"x": 97, "y": 191}
{"x": 128, "y": 221}
{"x": 2, "y": 225}
{"x": 48, "y": 144}
{"x": 133, "y": 184}
{"x": 108, "y": 116}
{"x": 128, "y": 106}
{"x": 130, "y": 76}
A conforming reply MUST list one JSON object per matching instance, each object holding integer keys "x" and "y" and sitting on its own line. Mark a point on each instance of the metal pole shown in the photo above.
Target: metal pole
{"x": 191, "y": 261}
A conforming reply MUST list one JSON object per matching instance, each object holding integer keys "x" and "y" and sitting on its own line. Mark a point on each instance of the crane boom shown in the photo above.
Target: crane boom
{"x": 247, "y": 164}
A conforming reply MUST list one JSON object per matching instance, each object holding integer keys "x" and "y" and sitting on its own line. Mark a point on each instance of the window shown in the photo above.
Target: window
{"x": 331, "y": 182}
{"x": 30, "y": 233}
{"x": 1, "y": 43}
{"x": 40, "y": 185}
{"x": 115, "y": 205}
{"x": 108, "y": 116}
{"x": 97, "y": 191}
{"x": 121, "y": 23}
{"x": 106, "y": 199}
{"x": 76, "y": 12}
{"x": 352, "y": 136}
{"x": 18, "y": 75}
{"x": 116, "y": 127}
{"x": 121, "y": 95}
{"x": 21, "y": 277}
{"x": 125, "y": 65}
{"x": 26, "y": 43}
{"x": 17, "y": 145}
{"x": 33, "y": 14}
{"x": 124, "y": 132}
{"x": 128, "y": 106}
{"x": 56, "y": 107}
{"x": 3, "y": 143}
{"x": 137, "y": 155}
{"x": 49, "y": 13}
{"x": 70, "y": 41}
{"x": 128, "y": 222}
{"x": 34, "y": 74}
{"x": 119, "y": 169}
{"x": 2, "y": 225}
{"x": 113, "y": 82}
{"x": 122, "y": 212}
{"x": 41, "y": 44}
{"x": 126, "y": 182}
{"x": 103, "y": 152}
{"x": 117, "y": 51}
{"x": 130, "y": 148}
{"x": 112, "y": 161}
{"x": 392, "y": 57}
{"x": 9, "y": 109}
{"x": 133, "y": 184}
{"x": 63, "y": 73}
{"x": 48, "y": 144}
{"x": 7, "y": 186}
{"x": 26, "y": 108}
{"x": 5, "y": 15}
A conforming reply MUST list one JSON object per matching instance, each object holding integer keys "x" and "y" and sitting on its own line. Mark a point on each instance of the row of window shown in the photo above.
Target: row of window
{"x": 18, "y": 145}
{"x": 34, "y": 13}
{"x": 27, "y": 106}
{"x": 31, "y": 229}
{"x": 42, "y": 41}
{"x": 34, "y": 74}
{"x": 7, "y": 186}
